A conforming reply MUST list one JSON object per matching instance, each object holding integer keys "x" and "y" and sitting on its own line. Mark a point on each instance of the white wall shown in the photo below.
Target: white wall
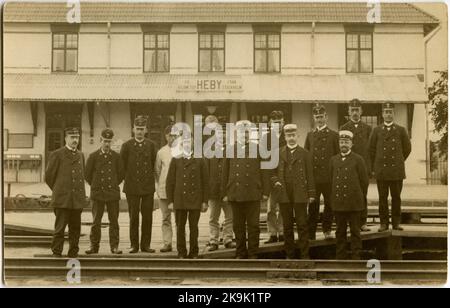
{"x": 238, "y": 49}
{"x": 184, "y": 49}
{"x": 398, "y": 49}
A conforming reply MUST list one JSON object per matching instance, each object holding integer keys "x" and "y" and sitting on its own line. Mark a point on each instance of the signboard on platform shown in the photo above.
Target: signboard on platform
{"x": 210, "y": 85}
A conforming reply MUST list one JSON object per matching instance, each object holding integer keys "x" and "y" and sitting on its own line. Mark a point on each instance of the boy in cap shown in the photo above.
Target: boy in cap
{"x": 294, "y": 181}
{"x": 349, "y": 188}
{"x": 138, "y": 155}
{"x": 322, "y": 143}
{"x": 187, "y": 194}
{"x": 389, "y": 148}
{"x": 163, "y": 159}
{"x": 104, "y": 172}
{"x": 361, "y": 134}
{"x": 65, "y": 177}
{"x": 274, "y": 217}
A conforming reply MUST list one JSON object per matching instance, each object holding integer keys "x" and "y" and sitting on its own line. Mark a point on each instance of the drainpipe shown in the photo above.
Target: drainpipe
{"x": 313, "y": 29}
{"x": 108, "y": 65}
{"x": 427, "y": 124}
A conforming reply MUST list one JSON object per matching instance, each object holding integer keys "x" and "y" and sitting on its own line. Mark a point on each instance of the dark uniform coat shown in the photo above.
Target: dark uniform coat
{"x": 302, "y": 168}
{"x": 187, "y": 183}
{"x": 388, "y": 151}
{"x": 215, "y": 173}
{"x": 349, "y": 183}
{"x": 322, "y": 145}
{"x": 65, "y": 177}
{"x": 243, "y": 179}
{"x": 361, "y": 136}
{"x": 104, "y": 172}
{"x": 139, "y": 163}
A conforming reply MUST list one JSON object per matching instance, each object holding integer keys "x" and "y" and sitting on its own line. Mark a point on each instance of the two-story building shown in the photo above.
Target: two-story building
{"x": 173, "y": 60}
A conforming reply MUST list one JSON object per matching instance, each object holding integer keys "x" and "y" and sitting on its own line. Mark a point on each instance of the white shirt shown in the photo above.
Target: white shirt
{"x": 356, "y": 123}
{"x": 70, "y": 149}
{"x": 162, "y": 164}
{"x": 292, "y": 148}
{"x": 388, "y": 125}
{"x": 321, "y": 128}
{"x": 344, "y": 155}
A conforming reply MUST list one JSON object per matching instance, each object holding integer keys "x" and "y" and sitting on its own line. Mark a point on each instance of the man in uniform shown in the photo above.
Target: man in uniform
{"x": 215, "y": 202}
{"x": 389, "y": 148}
{"x": 322, "y": 143}
{"x": 361, "y": 134}
{"x": 104, "y": 172}
{"x": 187, "y": 194}
{"x": 65, "y": 177}
{"x": 294, "y": 181}
{"x": 274, "y": 217}
{"x": 245, "y": 185}
{"x": 138, "y": 156}
{"x": 163, "y": 159}
{"x": 349, "y": 188}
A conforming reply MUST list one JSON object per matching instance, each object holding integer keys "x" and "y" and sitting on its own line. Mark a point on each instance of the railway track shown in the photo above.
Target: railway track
{"x": 327, "y": 270}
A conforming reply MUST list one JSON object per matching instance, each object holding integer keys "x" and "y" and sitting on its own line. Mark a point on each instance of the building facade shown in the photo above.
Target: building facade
{"x": 172, "y": 61}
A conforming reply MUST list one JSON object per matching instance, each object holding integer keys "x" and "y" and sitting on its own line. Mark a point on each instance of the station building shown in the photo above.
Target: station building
{"x": 170, "y": 61}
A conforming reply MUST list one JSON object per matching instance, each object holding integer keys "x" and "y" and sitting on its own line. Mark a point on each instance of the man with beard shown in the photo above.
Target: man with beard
{"x": 244, "y": 185}
{"x": 361, "y": 134}
{"x": 349, "y": 188}
{"x": 65, "y": 177}
{"x": 294, "y": 181}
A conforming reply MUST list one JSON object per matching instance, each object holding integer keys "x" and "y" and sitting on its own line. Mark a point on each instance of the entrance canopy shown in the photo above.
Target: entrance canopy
{"x": 213, "y": 87}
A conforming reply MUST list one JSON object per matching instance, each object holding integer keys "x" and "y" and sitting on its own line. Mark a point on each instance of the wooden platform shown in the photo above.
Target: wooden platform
{"x": 418, "y": 231}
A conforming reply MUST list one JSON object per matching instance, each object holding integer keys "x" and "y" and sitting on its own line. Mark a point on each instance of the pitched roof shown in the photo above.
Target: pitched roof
{"x": 214, "y": 12}
{"x": 250, "y": 88}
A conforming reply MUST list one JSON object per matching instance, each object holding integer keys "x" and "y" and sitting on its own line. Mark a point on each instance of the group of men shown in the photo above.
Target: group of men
{"x": 335, "y": 165}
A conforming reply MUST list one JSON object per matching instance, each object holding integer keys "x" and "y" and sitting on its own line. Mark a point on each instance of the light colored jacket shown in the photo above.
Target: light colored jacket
{"x": 162, "y": 164}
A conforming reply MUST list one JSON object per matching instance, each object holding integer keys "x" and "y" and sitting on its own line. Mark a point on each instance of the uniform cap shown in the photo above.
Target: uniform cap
{"x": 355, "y": 103}
{"x": 140, "y": 121}
{"x": 345, "y": 134}
{"x": 72, "y": 131}
{"x": 319, "y": 109}
{"x": 388, "y": 105}
{"x": 107, "y": 134}
{"x": 276, "y": 115}
{"x": 290, "y": 128}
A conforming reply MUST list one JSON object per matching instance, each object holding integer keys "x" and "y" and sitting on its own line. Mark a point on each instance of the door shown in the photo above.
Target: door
{"x": 58, "y": 117}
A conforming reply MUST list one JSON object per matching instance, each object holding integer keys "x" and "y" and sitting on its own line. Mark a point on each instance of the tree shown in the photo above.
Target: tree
{"x": 438, "y": 98}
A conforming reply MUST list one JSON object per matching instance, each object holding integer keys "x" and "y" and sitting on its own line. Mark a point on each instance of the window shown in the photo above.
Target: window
{"x": 211, "y": 52}
{"x": 156, "y": 52}
{"x": 65, "y": 52}
{"x": 267, "y": 52}
{"x": 359, "y": 52}
{"x": 20, "y": 141}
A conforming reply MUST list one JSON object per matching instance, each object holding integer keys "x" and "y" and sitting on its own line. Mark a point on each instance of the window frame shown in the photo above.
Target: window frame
{"x": 155, "y": 33}
{"x": 211, "y": 49}
{"x": 28, "y": 146}
{"x": 65, "y": 48}
{"x": 358, "y": 49}
{"x": 266, "y": 34}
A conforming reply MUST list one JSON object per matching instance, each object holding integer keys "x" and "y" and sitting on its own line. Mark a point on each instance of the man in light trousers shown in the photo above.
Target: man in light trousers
{"x": 216, "y": 204}
{"x": 162, "y": 163}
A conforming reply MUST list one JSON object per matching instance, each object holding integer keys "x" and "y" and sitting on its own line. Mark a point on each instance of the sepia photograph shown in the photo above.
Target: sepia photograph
{"x": 224, "y": 144}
